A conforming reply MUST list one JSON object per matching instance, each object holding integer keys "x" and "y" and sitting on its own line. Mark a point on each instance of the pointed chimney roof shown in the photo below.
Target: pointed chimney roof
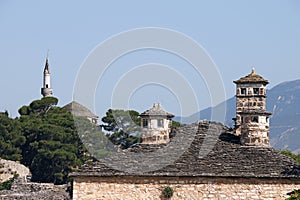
{"x": 252, "y": 78}
{"x": 156, "y": 110}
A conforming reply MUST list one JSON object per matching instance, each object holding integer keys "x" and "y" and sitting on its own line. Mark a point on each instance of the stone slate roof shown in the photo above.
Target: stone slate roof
{"x": 252, "y": 78}
{"x": 79, "y": 110}
{"x": 228, "y": 158}
{"x": 156, "y": 110}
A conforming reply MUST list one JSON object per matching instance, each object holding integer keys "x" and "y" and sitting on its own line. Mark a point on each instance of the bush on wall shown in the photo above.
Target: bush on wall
{"x": 168, "y": 192}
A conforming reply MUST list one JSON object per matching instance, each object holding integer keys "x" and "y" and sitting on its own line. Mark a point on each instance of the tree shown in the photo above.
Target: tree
{"x": 175, "y": 124}
{"x": 291, "y": 155}
{"x": 11, "y": 138}
{"x": 39, "y": 107}
{"x": 53, "y": 147}
{"x": 96, "y": 142}
{"x": 123, "y": 127}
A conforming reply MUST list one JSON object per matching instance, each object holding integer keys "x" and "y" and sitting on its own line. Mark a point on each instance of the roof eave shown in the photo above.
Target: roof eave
{"x": 265, "y": 82}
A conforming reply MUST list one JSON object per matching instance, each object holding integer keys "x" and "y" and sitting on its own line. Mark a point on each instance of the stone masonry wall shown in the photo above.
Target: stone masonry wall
{"x": 184, "y": 188}
{"x": 35, "y": 191}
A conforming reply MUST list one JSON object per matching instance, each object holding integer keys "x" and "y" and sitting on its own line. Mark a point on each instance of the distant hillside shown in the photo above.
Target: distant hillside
{"x": 284, "y": 101}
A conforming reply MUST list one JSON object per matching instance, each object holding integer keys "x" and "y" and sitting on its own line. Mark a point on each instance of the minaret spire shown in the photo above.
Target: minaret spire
{"x": 47, "y": 64}
{"x": 46, "y": 90}
{"x": 46, "y": 69}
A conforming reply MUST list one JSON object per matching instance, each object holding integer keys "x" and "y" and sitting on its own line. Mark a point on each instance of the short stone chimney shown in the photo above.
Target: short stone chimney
{"x": 156, "y": 125}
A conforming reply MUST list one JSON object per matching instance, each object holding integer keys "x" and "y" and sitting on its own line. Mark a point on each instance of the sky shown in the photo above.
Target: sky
{"x": 236, "y": 36}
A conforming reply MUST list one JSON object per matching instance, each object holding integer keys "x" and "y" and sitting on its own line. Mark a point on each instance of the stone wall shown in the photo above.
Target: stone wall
{"x": 35, "y": 191}
{"x": 184, "y": 188}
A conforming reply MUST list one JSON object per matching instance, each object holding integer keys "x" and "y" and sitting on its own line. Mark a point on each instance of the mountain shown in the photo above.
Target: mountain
{"x": 284, "y": 101}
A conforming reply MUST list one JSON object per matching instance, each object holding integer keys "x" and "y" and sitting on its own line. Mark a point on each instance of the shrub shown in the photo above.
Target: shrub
{"x": 168, "y": 192}
{"x": 294, "y": 195}
{"x": 291, "y": 155}
{"x": 7, "y": 184}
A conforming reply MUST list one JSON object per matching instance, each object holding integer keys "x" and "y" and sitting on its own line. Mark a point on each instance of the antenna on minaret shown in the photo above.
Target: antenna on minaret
{"x": 47, "y": 54}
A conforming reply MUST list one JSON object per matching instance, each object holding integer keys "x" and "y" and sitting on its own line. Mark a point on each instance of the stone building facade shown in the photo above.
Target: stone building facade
{"x": 184, "y": 188}
{"x": 204, "y": 160}
{"x": 230, "y": 170}
{"x": 156, "y": 125}
{"x": 252, "y": 118}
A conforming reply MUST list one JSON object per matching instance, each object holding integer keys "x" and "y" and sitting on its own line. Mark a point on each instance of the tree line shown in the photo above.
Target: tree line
{"x": 43, "y": 138}
{"x": 52, "y": 142}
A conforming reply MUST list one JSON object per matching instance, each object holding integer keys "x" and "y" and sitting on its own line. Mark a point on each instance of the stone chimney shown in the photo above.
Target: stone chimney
{"x": 252, "y": 118}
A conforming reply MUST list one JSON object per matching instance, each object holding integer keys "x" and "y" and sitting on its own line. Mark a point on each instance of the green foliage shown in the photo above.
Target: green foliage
{"x": 294, "y": 195}
{"x": 124, "y": 127}
{"x": 168, "y": 192}
{"x": 52, "y": 148}
{"x": 291, "y": 155}
{"x": 96, "y": 142}
{"x": 124, "y": 139}
{"x": 116, "y": 120}
{"x": 7, "y": 184}
{"x": 39, "y": 107}
{"x": 175, "y": 124}
{"x": 45, "y": 139}
{"x": 11, "y": 138}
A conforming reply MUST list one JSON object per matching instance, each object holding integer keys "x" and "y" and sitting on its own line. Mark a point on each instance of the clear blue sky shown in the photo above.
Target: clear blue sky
{"x": 236, "y": 34}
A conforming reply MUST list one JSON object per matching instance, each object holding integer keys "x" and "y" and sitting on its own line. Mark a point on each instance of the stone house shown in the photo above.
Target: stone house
{"x": 203, "y": 160}
{"x": 229, "y": 171}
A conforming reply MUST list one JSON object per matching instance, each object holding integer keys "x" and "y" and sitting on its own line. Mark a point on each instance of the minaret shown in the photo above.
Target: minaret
{"x": 252, "y": 118}
{"x": 46, "y": 90}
